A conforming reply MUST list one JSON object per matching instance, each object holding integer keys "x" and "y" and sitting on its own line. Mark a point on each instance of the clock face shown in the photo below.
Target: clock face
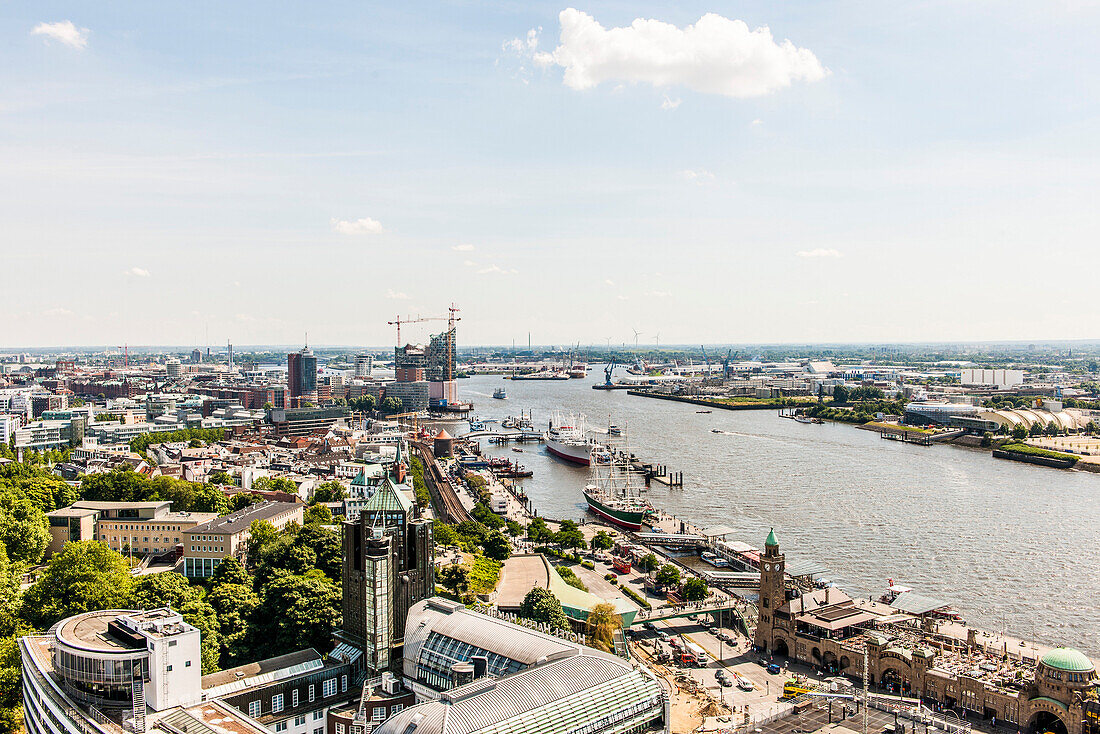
{"x": 767, "y": 567}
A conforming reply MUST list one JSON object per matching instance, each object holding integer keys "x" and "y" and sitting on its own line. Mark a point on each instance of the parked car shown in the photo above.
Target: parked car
{"x": 773, "y": 669}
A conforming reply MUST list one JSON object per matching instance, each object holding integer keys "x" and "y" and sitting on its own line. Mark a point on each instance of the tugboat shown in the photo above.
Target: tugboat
{"x": 500, "y": 394}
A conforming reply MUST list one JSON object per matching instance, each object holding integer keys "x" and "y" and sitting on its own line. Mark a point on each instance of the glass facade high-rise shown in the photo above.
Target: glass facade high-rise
{"x": 301, "y": 376}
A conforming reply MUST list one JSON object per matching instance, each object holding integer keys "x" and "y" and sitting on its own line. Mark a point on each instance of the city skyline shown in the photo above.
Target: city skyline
{"x": 188, "y": 174}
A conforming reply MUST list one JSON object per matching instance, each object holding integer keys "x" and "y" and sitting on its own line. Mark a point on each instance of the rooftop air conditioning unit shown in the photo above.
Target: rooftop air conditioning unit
{"x": 390, "y": 684}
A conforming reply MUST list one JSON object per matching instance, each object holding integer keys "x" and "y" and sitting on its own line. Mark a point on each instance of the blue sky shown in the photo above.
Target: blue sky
{"x": 172, "y": 170}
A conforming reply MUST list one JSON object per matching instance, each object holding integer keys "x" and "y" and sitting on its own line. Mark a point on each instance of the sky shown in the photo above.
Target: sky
{"x": 759, "y": 171}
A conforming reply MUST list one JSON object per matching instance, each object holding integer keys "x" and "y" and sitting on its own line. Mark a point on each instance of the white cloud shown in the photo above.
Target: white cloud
{"x": 63, "y": 32}
{"x": 757, "y": 122}
{"x": 608, "y": 281}
{"x": 469, "y": 263}
{"x": 660, "y": 294}
{"x": 697, "y": 175}
{"x": 716, "y": 55}
{"x": 820, "y": 252}
{"x": 57, "y": 312}
{"x": 463, "y": 248}
{"x": 138, "y": 272}
{"x": 497, "y": 270}
{"x": 396, "y": 295}
{"x": 357, "y": 226}
{"x": 670, "y": 104}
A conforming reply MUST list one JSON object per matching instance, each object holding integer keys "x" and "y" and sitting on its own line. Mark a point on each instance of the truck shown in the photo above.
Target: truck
{"x": 699, "y": 653}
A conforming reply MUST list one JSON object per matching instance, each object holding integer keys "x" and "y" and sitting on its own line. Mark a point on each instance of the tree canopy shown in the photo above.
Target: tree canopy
{"x": 542, "y": 606}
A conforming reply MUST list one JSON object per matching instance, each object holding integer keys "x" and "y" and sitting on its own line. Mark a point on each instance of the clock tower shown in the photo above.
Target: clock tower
{"x": 773, "y": 591}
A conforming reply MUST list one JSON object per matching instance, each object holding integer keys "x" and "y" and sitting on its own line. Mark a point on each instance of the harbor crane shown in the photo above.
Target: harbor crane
{"x": 726, "y": 365}
{"x": 706, "y": 359}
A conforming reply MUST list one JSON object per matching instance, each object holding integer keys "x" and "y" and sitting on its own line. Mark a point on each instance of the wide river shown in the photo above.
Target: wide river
{"x": 1012, "y": 546}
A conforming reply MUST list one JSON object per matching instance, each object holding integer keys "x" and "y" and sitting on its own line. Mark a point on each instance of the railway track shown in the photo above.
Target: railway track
{"x": 439, "y": 487}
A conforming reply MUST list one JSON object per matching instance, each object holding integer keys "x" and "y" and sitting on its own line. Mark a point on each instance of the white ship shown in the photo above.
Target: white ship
{"x": 568, "y": 439}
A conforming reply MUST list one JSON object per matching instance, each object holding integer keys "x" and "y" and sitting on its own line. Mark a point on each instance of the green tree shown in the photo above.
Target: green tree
{"x": 538, "y": 531}
{"x": 602, "y": 540}
{"x": 487, "y": 517}
{"x": 649, "y": 563}
{"x": 695, "y": 589}
{"x": 230, "y": 571}
{"x": 295, "y": 611}
{"x": 219, "y": 476}
{"x": 455, "y": 578}
{"x": 329, "y": 492}
{"x": 542, "y": 606}
{"x": 668, "y": 575}
{"x": 840, "y": 394}
{"x": 391, "y": 405}
{"x": 601, "y": 625}
{"x": 1036, "y": 429}
{"x": 1019, "y": 431}
{"x": 11, "y": 598}
{"x": 163, "y": 590}
{"x": 514, "y": 528}
{"x": 444, "y": 534}
{"x": 234, "y": 604}
{"x": 201, "y": 615}
{"x": 318, "y": 514}
{"x": 24, "y": 529}
{"x": 260, "y": 534}
{"x": 86, "y": 575}
{"x": 11, "y": 683}
{"x": 241, "y": 500}
{"x": 497, "y": 547}
{"x": 569, "y": 535}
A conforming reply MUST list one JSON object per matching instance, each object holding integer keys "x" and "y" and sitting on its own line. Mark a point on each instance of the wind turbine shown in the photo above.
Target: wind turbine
{"x": 658, "y": 340}
{"x": 636, "y": 335}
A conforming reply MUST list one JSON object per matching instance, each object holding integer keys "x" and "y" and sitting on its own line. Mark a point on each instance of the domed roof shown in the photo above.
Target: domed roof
{"x": 771, "y": 540}
{"x": 1066, "y": 658}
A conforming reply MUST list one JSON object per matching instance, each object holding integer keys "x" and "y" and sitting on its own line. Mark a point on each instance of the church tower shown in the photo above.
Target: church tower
{"x": 773, "y": 590}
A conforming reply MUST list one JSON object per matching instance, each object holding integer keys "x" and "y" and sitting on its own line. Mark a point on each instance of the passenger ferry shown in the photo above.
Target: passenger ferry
{"x": 715, "y": 560}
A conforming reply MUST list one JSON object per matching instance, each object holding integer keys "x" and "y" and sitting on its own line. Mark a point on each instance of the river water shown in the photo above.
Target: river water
{"x": 1012, "y": 546}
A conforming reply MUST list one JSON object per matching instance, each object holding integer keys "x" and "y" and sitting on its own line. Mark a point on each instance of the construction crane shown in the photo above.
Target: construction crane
{"x": 398, "y": 321}
{"x": 451, "y": 319}
{"x": 706, "y": 359}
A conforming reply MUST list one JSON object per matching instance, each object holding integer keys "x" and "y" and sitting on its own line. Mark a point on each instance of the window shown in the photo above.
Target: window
{"x": 329, "y": 688}
{"x": 397, "y": 708}
{"x": 318, "y": 714}
{"x": 187, "y": 664}
{"x": 311, "y": 693}
{"x": 343, "y": 684}
{"x": 253, "y": 709}
{"x": 169, "y": 668}
{"x": 339, "y": 728}
{"x": 299, "y": 720}
{"x": 294, "y": 698}
{"x": 319, "y": 730}
{"x": 280, "y": 726}
{"x": 276, "y": 703}
{"x": 379, "y": 714}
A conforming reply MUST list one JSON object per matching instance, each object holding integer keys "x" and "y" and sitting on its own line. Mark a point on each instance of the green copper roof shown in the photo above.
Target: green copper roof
{"x": 387, "y": 498}
{"x": 772, "y": 540}
{"x": 360, "y": 479}
{"x": 1066, "y": 658}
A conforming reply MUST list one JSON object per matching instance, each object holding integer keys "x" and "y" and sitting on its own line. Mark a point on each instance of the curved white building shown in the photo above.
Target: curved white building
{"x": 95, "y": 671}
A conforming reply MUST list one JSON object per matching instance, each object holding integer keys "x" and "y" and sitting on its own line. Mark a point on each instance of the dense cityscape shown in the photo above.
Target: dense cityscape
{"x": 538, "y": 368}
{"x": 209, "y": 538}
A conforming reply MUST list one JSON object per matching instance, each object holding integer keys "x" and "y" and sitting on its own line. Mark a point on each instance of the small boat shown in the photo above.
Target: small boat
{"x": 500, "y": 393}
{"x": 517, "y": 449}
{"x": 704, "y": 411}
{"x": 716, "y": 430}
{"x": 803, "y": 419}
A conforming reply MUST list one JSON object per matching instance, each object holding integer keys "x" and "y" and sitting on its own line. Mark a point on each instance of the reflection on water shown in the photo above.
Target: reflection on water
{"x": 1011, "y": 545}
